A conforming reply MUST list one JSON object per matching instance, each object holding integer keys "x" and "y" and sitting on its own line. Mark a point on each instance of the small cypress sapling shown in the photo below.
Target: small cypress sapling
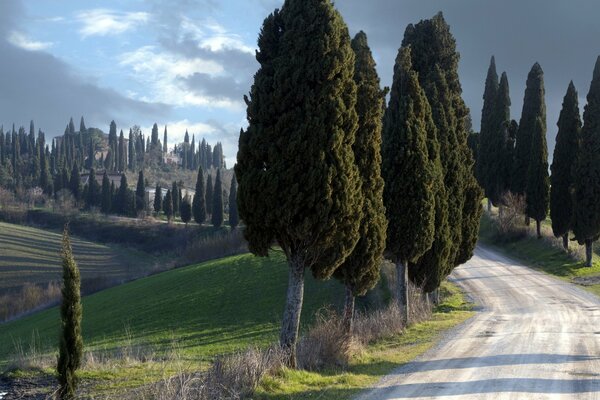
{"x": 71, "y": 341}
{"x": 199, "y": 203}
{"x": 234, "y": 218}
{"x": 217, "y": 208}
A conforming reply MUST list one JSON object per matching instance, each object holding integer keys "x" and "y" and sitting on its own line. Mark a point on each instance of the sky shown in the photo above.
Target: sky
{"x": 187, "y": 63}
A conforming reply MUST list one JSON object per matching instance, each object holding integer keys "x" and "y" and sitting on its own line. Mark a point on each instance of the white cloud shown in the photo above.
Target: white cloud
{"x": 213, "y": 36}
{"x": 104, "y": 22}
{"x": 20, "y": 40}
{"x": 163, "y": 73}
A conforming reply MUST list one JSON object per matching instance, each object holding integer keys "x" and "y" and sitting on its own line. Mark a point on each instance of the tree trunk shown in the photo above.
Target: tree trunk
{"x": 489, "y": 206}
{"x": 589, "y": 246}
{"x": 291, "y": 314}
{"x": 436, "y": 297}
{"x": 527, "y": 221}
{"x": 538, "y": 228}
{"x": 566, "y": 241}
{"x": 402, "y": 288}
{"x": 425, "y": 297}
{"x": 348, "y": 310}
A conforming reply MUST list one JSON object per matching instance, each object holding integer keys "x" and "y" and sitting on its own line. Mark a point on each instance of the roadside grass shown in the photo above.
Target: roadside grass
{"x": 544, "y": 254}
{"x": 31, "y": 256}
{"x": 374, "y": 362}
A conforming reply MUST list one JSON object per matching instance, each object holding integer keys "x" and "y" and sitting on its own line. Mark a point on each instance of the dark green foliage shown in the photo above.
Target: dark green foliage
{"x": 234, "y": 217}
{"x": 490, "y": 95}
{"x": 75, "y": 182}
{"x": 71, "y": 342}
{"x": 140, "y": 193}
{"x": 217, "y": 207}
{"x": 175, "y": 197}
{"x": 565, "y": 153}
{"x": 537, "y": 193}
{"x": 123, "y": 202}
{"x": 586, "y": 199}
{"x": 458, "y": 202}
{"x": 165, "y": 147}
{"x": 158, "y": 199}
{"x": 131, "y": 157}
{"x": 199, "y": 203}
{"x": 298, "y": 182}
{"x": 168, "y": 205}
{"x": 186, "y": 210}
{"x": 407, "y": 169}
{"x": 154, "y": 137}
{"x": 360, "y": 270}
{"x": 93, "y": 194}
{"x": 105, "y": 205}
{"x": 209, "y": 194}
{"x": 534, "y": 107}
{"x": 498, "y": 169}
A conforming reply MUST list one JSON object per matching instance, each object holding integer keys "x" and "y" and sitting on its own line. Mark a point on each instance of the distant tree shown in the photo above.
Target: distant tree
{"x": 122, "y": 204}
{"x": 122, "y": 159}
{"x": 168, "y": 205}
{"x": 199, "y": 202}
{"x": 360, "y": 271}
{"x": 71, "y": 341}
{"x": 82, "y": 128}
{"x": 234, "y": 218}
{"x": 75, "y": 182}
{"x": 154, "y": 140}
{"x": 209, "y": 194}
{"x": 586, "y": 196}
{"x": 565, "y": 153}
{"x": 217, "y": 207}
{"x": 132, "y": 158}
{"x": 105, "y": 205}
{"x": 93, "y": 194}
{"x": 409, "y": 174}
{"x": 158, "y": 199}
{"x": 175, "y": 198}
{"x": 165, "y": 147}
{"x": 306, "y": 69}
{"x": 186, "y": 210}
{"x": 140, "y": 193}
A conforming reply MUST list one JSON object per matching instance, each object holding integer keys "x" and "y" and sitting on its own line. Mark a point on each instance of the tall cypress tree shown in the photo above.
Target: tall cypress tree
{"x": 131, "y": 151}
{"x": 293, "y": 194}
{"x": 75, "y": 182}
{"x": 122, "y": 205}
{"x": 217, "y": 208}
{"x": 175, "y": 198}
{"x": 140, "y": 192}
{"x": 158, "y": 199}
{"x": 209, "y": 194}
{"x": 168, "y": 205}
{"x": 537, "y": 193}
{"x": 435, "y": 59}
{"x": 154, "y": 137}
{"x": 490, "y": 96}
{"x": 234, "y": 217}
{"x": 93, "y": 193}
{"x": 71, "y": 341}
{"x": 565, "y": 153}
{"x": 586, "y": 197}
{"x": 199, "y": 203}
{"x": 105, "y": 205}
{"x": 186, "y": 210}
{"x": 360, "y": 271}
{"x": 534, "y": 107}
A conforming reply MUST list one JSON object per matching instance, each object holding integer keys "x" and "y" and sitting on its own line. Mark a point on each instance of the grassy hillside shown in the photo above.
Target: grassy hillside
{"x": 211, "y": 308}
{"x": 29, "y": 255}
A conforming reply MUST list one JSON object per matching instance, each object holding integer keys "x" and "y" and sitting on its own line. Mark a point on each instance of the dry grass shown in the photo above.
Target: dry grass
{"x": 29, "y": 298}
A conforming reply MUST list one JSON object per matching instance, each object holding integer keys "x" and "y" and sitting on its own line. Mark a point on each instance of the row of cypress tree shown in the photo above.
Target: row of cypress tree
{"x": 514, "y": 157}
{"x": 325, "y": 178}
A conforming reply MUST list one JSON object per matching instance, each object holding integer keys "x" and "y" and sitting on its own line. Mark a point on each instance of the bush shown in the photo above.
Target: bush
{"x": 511, "y": 216}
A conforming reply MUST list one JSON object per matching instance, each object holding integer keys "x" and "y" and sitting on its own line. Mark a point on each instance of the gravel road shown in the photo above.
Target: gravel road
{"x": 534, "y": 337}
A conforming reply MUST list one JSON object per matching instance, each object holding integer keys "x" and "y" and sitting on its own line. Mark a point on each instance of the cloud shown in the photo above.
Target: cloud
{"x": 20, "y": 40}
{"x": 104, "y": 22}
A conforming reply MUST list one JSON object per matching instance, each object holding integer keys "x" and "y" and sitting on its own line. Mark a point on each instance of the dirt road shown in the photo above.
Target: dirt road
{"x": 535, "y": 337}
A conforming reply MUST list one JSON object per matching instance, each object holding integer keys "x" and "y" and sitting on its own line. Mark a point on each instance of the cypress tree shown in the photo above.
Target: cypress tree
{"x": 93, "y": 194}
{"x": 490, "y": 96}
{"x": 534, "y": 107}
{"x": 234, "y": 218}
{"x": 175, "y": 198}
{"x": 565, "y": 153}
{"x": 168, "y": 205}
{"x": 186, "y": 210}
{"x": 435, "y": 59}
{"x": 408, "y": 173}
{"x": 217, "y": 208}
{"x": 209, "y": 194}
{"x": 537, "y": 193}
{"x": 165, "y": 147}
{"x": 140, "y": 193}
{"x": 105, "y": 204}
{"x": 360, "y": 271}
{"x": 586, "y": 197}
{"x": 498, "y": 172}
{"x": 122, "y": 160}
{"x": 75, "y": 182}
{"x": 154, "y": 141}
{"x": 158, "y": 199}
{"x": 71, "y": 342}
{"x": 122, "y": 200}
{"x": 131, "y": 151}
{"x": 199, "y": 204}
{"x": 293, "y": 194}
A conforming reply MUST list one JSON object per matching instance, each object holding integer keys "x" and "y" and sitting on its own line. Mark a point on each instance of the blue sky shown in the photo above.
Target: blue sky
{"x": 187, "y": 63}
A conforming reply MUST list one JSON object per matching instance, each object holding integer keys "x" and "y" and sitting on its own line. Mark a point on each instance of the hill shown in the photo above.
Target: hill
{"x": 211, "y": 308}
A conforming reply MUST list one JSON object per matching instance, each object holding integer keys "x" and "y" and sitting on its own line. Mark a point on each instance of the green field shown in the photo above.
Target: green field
{"x": 29, "y": 255}
{"x": 211, "y": 308}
